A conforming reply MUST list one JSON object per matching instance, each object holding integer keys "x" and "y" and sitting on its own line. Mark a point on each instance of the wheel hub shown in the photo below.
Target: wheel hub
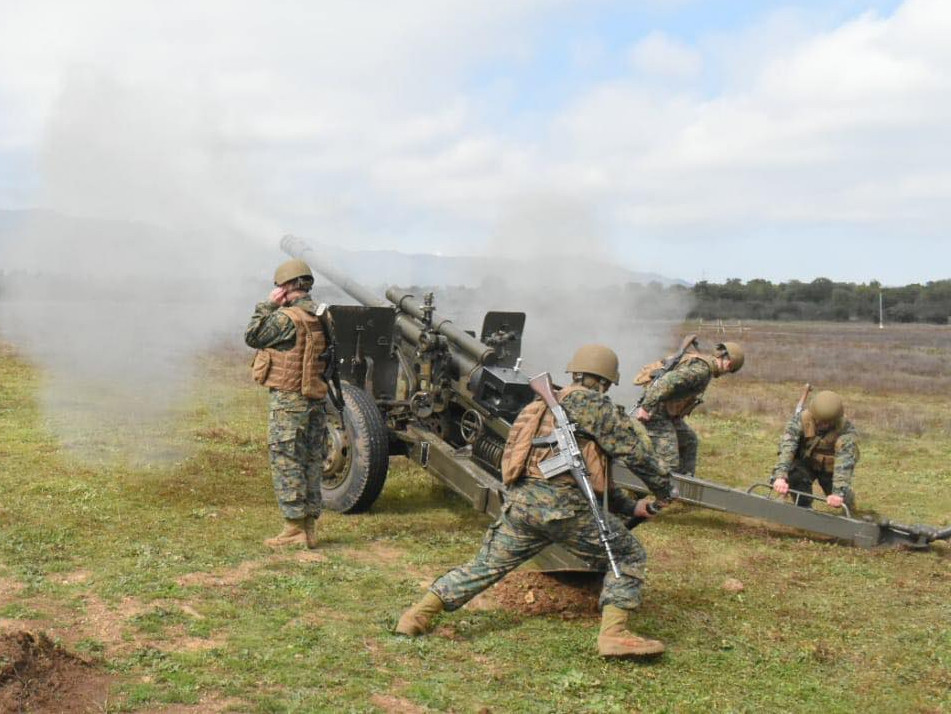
{"x": 337, "y": 456}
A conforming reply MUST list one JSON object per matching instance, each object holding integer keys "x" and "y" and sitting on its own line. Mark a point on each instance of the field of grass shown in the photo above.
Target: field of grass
{"x": 157, "y": 573}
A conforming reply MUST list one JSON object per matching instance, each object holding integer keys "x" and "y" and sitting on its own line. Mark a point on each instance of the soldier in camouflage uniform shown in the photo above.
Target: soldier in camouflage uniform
{"x": 670, "y": 398}
{"x": 537, "y": 512}
{"x": 819, "y": 444}
{"x": 291, "y": 333}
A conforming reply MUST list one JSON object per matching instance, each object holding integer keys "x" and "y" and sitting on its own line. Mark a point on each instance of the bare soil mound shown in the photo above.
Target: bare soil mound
{"x": 39, "y": 676}
{"x": 569, "y": 595}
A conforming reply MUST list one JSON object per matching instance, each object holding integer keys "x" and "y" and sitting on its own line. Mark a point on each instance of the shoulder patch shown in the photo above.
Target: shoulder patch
{"x": 321, "y": 309}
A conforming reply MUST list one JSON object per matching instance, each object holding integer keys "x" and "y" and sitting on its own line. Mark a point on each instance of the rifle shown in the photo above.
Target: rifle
{"x": 331, "y": 370}
{"x": 668, "y": 364}
{"x": 569, "y": 458}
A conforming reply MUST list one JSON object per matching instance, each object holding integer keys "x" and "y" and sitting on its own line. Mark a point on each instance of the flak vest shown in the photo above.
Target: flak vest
{"x": 678, "y": 407}
{"x": 520, "y": 458}
{"x": 300, "y": 368}
{"x": 818, "y": 450}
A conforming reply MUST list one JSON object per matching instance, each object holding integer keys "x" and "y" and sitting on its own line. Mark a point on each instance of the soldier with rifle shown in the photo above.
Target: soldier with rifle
{"x": 295, "y": 360}
{"x": 819, "y": 444}
{"x": 672, "y": 389}
{"x": 556, "y": 467}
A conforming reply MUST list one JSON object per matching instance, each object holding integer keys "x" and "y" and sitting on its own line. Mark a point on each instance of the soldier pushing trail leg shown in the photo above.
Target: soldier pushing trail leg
{"x": 819, "y": 444}
{"x": 538, "y": 511}
{"x": 671, "y": 392}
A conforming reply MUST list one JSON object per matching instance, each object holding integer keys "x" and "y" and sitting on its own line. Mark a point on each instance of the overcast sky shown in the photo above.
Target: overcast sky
{"x": 691, "y": 138}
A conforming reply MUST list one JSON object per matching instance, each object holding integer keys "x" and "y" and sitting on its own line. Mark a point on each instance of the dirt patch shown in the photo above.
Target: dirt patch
{"x": 108, "y": 624}
{"x": 247, "y": 569}
{"x": 38, "y": 676}
{"x": 377, "y": 554}
{"x": 222, "y": 578}
{"x": 8, "y": 589}
{"x": 530, "y": 593}
{"x": 383, "y": 555}
{"x": 207, "y": 705}
{"x": 76, "y": 577}
{"x": 392, "y": 704}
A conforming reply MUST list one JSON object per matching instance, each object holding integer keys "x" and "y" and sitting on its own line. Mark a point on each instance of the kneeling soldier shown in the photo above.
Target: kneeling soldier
{"x": 538, "y": 512}
{"x": 819, "y": 444}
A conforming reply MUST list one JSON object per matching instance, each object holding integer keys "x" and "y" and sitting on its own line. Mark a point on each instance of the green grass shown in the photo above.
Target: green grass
{"x": 161, "y": 572}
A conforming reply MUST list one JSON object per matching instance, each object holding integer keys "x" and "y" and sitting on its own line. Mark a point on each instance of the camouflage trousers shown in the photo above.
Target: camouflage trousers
{"x": 675, "y": 443}
{"x": 801, "y": 478}
{"x": 297, "y": 428}
{"x": 535, "y": 514}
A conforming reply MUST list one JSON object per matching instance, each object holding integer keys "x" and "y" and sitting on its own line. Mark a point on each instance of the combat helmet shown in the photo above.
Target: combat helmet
{"x": 290, "y": 269}
{"x": 827, "y": 407}
{"x": 598, "y": 360}
{"x": 734, "y": 352}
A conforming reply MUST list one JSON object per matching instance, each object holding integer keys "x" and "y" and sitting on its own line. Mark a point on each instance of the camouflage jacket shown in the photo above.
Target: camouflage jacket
{"x": 620, "y": 436}
{"x": 687, "y": 379}
{"x": 274, "y": 329}
{"x": 846, "y": 453}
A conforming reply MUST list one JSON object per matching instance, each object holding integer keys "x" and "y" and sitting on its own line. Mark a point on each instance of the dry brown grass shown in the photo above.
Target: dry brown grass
{"x": 900, "y": 359}
{"x": 893, "y": 380}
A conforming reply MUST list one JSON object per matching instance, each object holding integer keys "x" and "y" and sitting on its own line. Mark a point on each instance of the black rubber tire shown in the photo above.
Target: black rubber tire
{"x": 355, "y": 490}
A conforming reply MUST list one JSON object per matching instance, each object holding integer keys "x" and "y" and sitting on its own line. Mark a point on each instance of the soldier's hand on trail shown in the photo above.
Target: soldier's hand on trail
{"x": 278, "y": 296}
{"x": 641, "y": 511}
{"x": 781, "y": 486}
{"x": 642, "y": 414}
{"x": 835, "y": 501}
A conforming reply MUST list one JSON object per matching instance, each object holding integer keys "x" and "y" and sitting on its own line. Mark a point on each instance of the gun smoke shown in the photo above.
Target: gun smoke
{"x": 164, "y": 256}
{"x": 116, "y": 308}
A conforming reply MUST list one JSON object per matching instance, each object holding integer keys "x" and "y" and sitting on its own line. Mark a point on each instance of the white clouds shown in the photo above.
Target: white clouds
{"x": 371, "y": 117}
{"x": 658, "y": 54}
{"x": 833, "y": 129}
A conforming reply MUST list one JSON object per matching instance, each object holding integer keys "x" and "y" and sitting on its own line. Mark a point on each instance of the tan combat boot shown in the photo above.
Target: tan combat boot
{"x": 293, "y": 533}
{"x": 310, "y": 531}
{"x": 616, "y": 641}
{"x": 417, "y": 620}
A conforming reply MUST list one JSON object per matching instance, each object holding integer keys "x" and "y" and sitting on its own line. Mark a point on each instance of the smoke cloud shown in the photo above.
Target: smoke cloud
{"x": 574, "y": 290}
{"x": 154, "y": 248}
{"x": 116, "y": 306}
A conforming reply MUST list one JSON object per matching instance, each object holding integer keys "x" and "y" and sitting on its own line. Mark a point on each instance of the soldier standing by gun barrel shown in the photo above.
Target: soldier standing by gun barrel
{"x": 672, "y": 389}
{"x": 819, "y": 444}
{"x": 294, "y": 339}
{"x": 543, "y": 507}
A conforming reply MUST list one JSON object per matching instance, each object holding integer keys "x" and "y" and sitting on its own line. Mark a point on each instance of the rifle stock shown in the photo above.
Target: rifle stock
{"x": 542, "y": 386}
{"x": 801, "y": 404}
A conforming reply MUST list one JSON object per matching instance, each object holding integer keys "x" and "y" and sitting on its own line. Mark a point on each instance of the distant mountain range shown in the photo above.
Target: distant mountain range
{"x": 32, "y": 239}
{"x": 393, "y": 267}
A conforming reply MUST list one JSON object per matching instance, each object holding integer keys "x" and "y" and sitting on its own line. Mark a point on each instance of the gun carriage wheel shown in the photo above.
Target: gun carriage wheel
{"x": 357, "y": 457}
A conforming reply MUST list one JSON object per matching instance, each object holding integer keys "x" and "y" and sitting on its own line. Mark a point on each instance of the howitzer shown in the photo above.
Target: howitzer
{"x": 415, "y": 384}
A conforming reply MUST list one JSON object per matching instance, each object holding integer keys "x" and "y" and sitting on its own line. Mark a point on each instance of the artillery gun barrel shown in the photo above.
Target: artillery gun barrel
{"x": 479, "y": 352}
{"x": 469, "y": 354}
{"x": 298, "y": 248}
{"x": 942, "y": 535}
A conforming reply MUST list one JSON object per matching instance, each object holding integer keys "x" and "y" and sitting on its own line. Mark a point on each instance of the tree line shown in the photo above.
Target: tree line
{"x": 821, "y": 299}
